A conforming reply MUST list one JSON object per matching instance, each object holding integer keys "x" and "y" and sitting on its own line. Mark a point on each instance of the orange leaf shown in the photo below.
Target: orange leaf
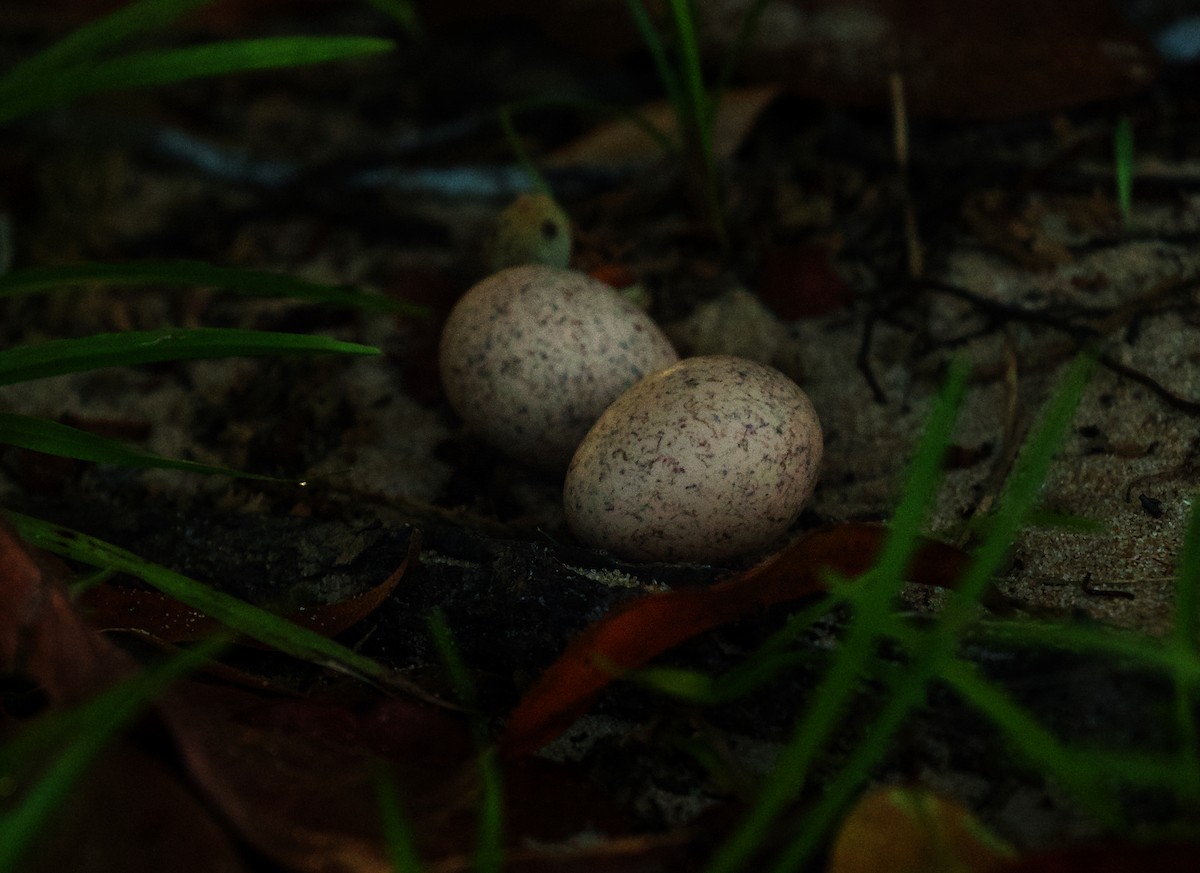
{"x": 623, "y": 143}
{"x": 640, "y": 630}
{"x": 907, "y": 830}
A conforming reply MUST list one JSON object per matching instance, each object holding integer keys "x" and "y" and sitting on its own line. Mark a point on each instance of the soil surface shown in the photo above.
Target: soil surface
{"x": 1000, "y": 243}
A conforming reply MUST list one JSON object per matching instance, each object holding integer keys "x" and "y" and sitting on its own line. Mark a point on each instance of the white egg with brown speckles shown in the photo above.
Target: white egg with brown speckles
{"x": 704, "y": 461}
{"x": 531, "y": 356}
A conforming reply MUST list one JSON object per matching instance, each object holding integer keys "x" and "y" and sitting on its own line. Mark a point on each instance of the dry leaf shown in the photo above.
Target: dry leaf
{"x": 907, "y": 830}
{"x": 624, "y": 143}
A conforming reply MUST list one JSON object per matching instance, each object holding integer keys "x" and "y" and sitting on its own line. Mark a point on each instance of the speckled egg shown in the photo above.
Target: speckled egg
{"x": 706, "y": 460}
{"x": 532, "y": 355}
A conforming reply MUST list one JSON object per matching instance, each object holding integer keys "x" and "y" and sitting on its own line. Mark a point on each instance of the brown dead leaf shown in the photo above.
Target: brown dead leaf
{"x": 908, "y": 830}
{"x": 624, "y": 143}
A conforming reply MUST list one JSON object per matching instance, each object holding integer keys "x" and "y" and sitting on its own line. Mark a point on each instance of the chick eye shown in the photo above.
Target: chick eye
{"x": 549, "y": 229}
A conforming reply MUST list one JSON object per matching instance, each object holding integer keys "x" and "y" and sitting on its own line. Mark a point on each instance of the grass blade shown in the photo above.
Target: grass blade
{"x": 397, "y": 830}
{"x": 811, "y": 732}
{"x": 402, "y": 12}
{"x": 91, "y": 39}
{"x": 1017, "y": 500}
{"x": 254, "y": 622}
{"x": 94, "y": 725}
{"x": 196, "y": 273}
{"x": 52, "y": 438}
{"x": 658, "y": 51}
{"x": 1123, "y": 166}
{"x": 56, "y": 357}
{"x": 489, "y": 850}
{"x": 168, "y": 66}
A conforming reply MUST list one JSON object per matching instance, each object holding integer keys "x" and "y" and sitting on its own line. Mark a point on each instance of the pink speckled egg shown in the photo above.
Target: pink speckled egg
{"x": 532, "y": 355}
{"x": 706, "y": 460}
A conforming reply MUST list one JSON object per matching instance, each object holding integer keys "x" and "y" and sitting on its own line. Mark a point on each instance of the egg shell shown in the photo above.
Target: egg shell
{"x": 532, "y": 355}
{"x": 709, "y": 459}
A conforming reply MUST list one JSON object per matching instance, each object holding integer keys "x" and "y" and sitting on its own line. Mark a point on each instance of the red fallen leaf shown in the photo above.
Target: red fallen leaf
{"x": 42, "y": 635}
{"x": 616, "y": 276}
{"x": 642, "y": 629}
{"x": 118, "y": 607}
{"x": 800, "y": 282}
{"x": 985, "y": 59}
{"x": 1106, "y": 857}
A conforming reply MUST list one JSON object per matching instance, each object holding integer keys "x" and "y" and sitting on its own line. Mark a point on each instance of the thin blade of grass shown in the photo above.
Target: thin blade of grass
{"x": 696, "y": 102}
{"x": 397, "y": 830}
{"x": 658, "y": 51}
{"x": 1123, "y": 166}
{"x": 168, "y": 66}
{"x": 1150, "y": 652}
{"x": 1187, "y": 588}
{"x": 57, "y": 357}
{"x": 1017, "y": 500}
{"x": 1187, "y": 645}
{"x": 94, "y": 726}
{"x": 489, "y": 848}
{"x": 834, "y": 692}
{"x": 402, "y": 12}
{"x": 257, "y": 283}
{"x": 253, "y": 622}
{"x": 95, "y": 37}
{"x": 52, "y": 438}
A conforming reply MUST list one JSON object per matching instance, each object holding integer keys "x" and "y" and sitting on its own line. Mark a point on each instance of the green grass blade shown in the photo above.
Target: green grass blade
{"x": 52, "y": 438}
{"x": 56, "y": 357}
{"x": 168, "y": 66}
{"x": 402, "y": 12}
{"x": 256, "y": 623}
{"x": 94, "y": 725}
{"x": 879, "y": 587}
{"x": 1187, "y": 588}
{"x": 699, "y": 107}
{"x": 257, "y": 283}
{"x": 1110, "y": 642}
{"x": 1123, "y": 166}
{"x": 1024, "y": 732}
{"x": 1021, "y": 490}
{"x": 658, "y": 52}
{"x": 733, "y": 57}
{"x": 1017, "y": 500}
{"x": 93, "y": 38}
{"x": 397, "y": 830}
{"x": 1187, "y": 646}
{"x": 489, "y": 850}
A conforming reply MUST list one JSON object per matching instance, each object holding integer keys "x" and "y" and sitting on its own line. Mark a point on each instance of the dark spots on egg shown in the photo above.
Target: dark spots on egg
{"x": 718, "y": 455}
